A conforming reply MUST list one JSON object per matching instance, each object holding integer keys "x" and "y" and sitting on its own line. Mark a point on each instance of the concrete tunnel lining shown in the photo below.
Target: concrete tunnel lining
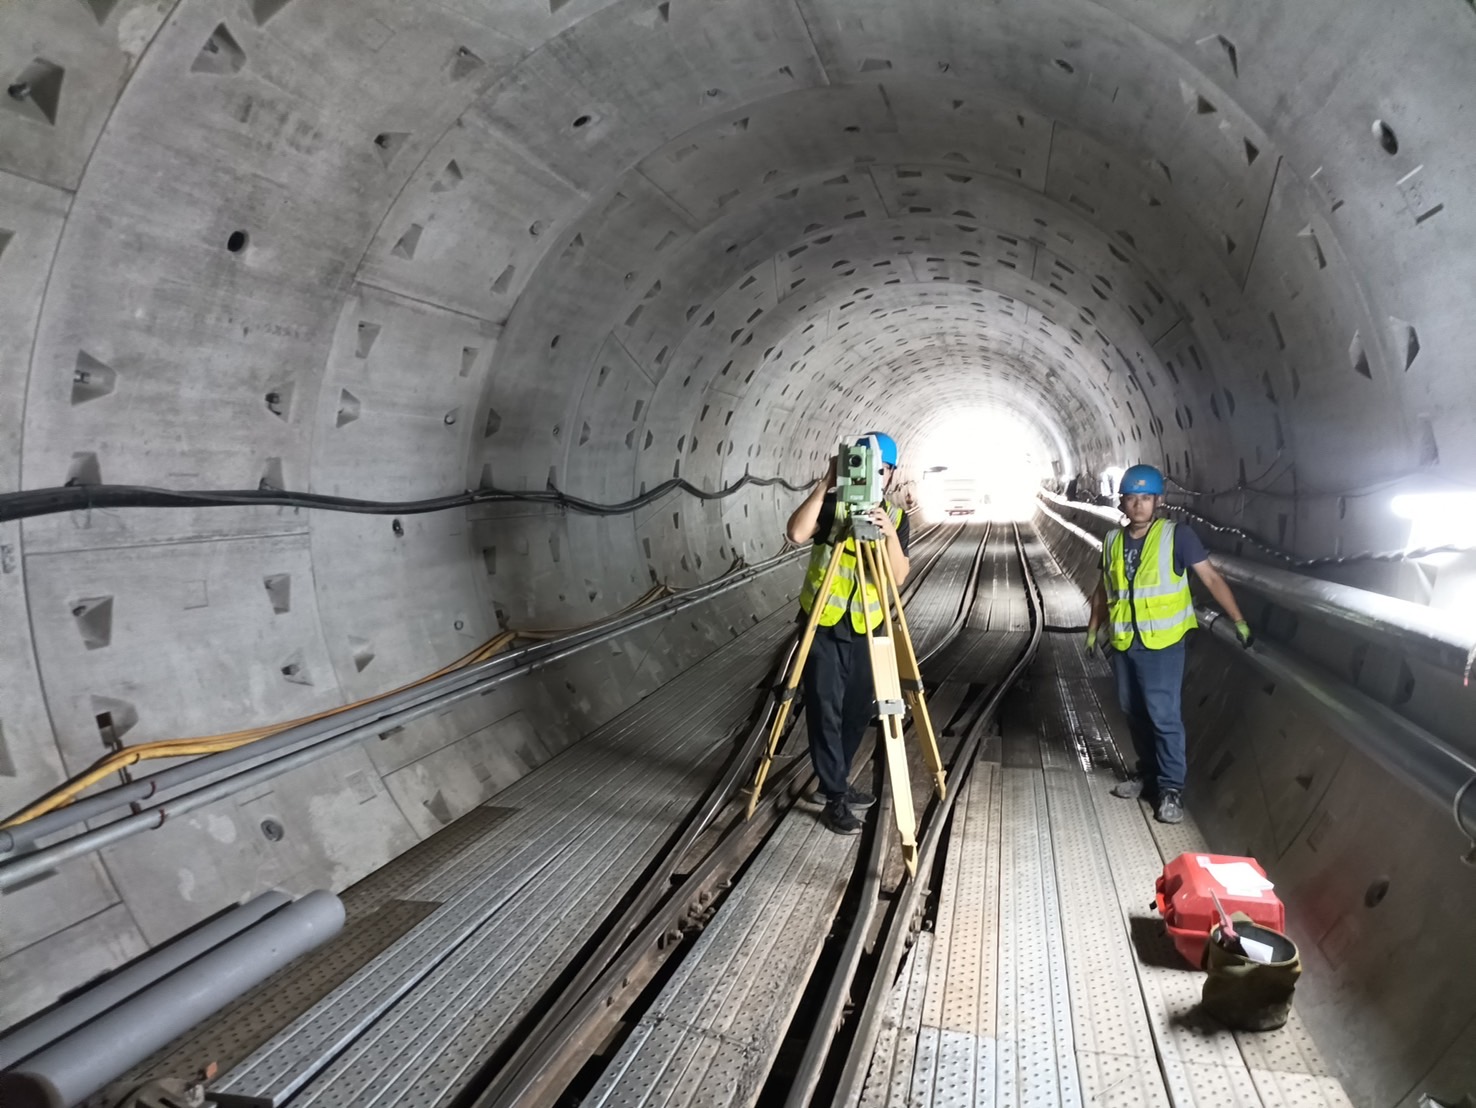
{"x": 1226, "y": 240}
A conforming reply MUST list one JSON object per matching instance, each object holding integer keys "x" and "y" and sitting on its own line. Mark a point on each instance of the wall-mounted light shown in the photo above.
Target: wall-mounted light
{"x": 1437, "y": 519}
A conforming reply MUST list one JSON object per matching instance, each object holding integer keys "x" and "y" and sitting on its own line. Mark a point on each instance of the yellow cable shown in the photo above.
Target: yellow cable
{"x": 69, "y": 790}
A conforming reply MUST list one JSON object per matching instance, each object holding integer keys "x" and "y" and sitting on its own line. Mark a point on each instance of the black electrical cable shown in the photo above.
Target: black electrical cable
{"x": 1403, "y": 555}
{"x": 76, "y": 498}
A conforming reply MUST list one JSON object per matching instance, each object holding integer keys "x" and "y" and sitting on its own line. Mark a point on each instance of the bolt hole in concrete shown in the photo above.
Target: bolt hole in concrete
{"x": 1386, "y": 136}
{"x": 1376, "y": 893}
{"x": 237, "y": 242}
{"x": 272, "y": 830}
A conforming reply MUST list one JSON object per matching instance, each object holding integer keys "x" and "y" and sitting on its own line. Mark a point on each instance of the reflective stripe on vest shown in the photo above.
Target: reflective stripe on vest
{"x": 866, "y": 611}
{"x": 1156, "y": 604}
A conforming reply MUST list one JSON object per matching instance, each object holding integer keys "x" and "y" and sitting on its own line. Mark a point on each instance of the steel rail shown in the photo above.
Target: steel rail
{"x": 833, "y": 1004}
{"x": 540, "y": 1069}
{"x": 904, "y": 909}
{"x": 409, "y": 706}
{"x": 532, "y": 1074}
{"x": 523, "y": 1072}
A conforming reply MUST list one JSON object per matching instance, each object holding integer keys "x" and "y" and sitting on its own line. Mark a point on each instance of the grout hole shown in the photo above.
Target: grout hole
{"x": 1388, "y": 140}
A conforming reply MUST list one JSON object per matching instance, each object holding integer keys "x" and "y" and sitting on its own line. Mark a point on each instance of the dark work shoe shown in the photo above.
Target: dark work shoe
{"x": 1130, "y": 789}
{"x": 1170, "y": 807}
{"x": 839, "y": 819}
{"x": 859, "y": 800}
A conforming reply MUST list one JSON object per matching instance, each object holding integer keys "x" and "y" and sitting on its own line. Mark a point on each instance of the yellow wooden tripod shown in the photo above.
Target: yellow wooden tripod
{"x": 895, "y": 677}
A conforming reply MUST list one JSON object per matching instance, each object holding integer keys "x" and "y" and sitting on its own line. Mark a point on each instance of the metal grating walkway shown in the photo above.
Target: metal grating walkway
{"x": 1047, "y": 981}
{"x": 712, "y": 1034}
{"x": 416, "y": 1023}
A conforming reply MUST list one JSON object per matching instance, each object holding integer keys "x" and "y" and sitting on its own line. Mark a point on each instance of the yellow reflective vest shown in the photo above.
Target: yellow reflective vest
{"x": 866, "y": 611}
{"x": 1156, "y": 604}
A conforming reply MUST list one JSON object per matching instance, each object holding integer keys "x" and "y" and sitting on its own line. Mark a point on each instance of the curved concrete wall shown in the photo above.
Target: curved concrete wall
{"x": 390, "y": 251}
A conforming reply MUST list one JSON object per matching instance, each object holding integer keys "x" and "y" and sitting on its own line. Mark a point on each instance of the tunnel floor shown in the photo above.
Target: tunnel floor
{"x": 1040, "y": 976}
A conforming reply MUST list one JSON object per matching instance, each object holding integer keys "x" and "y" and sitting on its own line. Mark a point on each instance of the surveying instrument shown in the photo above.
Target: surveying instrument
{"x": 896, "y": 681}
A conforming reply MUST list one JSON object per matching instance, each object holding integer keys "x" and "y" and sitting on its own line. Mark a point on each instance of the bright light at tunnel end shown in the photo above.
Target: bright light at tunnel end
{"x": 980, "y": 464}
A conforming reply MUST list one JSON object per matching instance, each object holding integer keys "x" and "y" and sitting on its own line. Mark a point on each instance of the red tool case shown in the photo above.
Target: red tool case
{"x": 1183, "y": 897}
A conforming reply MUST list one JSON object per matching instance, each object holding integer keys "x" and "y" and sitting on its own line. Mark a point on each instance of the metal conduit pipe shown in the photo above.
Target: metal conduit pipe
{"x": 368, "y": 719}
{"x": 1418, "y": 758}
{"x": 36, "y": 1035}
{"x": 1427, "y": 634}
{"x": 83, "y": 1062}
{"x": 1421, "y": 632}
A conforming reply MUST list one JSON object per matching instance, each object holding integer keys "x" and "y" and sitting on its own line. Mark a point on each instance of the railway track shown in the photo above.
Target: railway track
{"x": 539, "y": 960}
{"x": 583, "y": 1042}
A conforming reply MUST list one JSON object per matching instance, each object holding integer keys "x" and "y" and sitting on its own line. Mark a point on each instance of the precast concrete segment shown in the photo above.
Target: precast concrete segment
{"x": 713, "y": 1032}
{"x": 629, "y": 783}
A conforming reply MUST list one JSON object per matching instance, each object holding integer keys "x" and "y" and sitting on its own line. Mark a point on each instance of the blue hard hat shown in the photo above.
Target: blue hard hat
{"x": 1141, "y": 480}
{"x": 886, "y": 442}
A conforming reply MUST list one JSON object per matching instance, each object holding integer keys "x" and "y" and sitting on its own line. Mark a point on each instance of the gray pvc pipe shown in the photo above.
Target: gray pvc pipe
{"x": 25, "y": 1041}
{"x": 1412, "y": 754}
{"x": 86, "y": 1060}
{"x": 367, "y": 719}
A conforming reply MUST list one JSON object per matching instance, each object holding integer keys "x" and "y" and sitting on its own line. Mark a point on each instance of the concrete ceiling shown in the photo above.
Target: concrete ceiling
{"x": 394, "y": 250}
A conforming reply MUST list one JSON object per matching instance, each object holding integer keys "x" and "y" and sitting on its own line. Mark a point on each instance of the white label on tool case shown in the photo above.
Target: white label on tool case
{"x": 1236, "y": 878}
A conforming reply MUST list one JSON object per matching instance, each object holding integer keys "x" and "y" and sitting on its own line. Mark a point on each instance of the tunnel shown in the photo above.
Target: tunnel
{"x": 613, "y": 279}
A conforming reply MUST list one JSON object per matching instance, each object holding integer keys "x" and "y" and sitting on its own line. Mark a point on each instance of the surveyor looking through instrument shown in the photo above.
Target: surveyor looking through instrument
{"x": 1141, "y": 611}
{"x": 837, "y": 679}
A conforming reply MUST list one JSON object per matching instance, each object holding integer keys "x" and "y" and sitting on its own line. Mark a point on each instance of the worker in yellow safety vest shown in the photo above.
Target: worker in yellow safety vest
{"x": 839, "y": 696}
{"x": 1140, "y": 612}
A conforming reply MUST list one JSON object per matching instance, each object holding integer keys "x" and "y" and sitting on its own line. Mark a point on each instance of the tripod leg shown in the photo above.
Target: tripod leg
{"x": 792, "y": 680}
{"x": 890, "y": 710}
{"x": 910, "y": 678}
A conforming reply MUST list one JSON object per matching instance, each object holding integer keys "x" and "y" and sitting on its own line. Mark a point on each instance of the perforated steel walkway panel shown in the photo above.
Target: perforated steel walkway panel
{"x": 712, "y": 1034}
{"x": 1049, "y": 981}
{"x": 714, "y": 1030}
{"x": 416, "y": 1022}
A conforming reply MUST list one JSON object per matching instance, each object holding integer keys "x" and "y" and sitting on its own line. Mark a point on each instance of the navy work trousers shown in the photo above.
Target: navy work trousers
{"x": 1150, "y": 685}
{"x": 839, "y": 702}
